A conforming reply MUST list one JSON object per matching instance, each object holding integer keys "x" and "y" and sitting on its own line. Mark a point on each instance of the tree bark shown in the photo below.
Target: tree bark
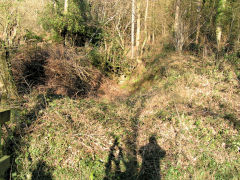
{"x": 199, "y": 7}
{"x": 65, "y": 6}
{"x": 178, "y": 26}
{"x": 133, "y": 28}
{"x": 219, "y": 25}
{"x": 138, "y": 31}
{"x": 145, "y": 26}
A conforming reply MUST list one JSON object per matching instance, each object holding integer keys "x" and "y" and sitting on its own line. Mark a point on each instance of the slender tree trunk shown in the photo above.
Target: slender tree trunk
{"x": 65, "y": 6}
{"x": 178, "y": 28}
{"x": 138, "y": 31}
{"x": 145, "y": 26}
{"x": 221, "y": 9}
{"x": 133, "y": 28}
{"x": 65, "y": 11}
{"x": 146, "y": 16}
{"x": 199, "y": 7}
{"x": 153, "y": 22}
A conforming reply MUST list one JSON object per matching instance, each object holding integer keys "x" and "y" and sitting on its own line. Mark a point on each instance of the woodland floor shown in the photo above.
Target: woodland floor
{"x": 179, "y": 120}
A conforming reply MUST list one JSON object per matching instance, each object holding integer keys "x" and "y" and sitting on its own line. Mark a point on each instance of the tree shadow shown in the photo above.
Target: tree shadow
{"x": 228, "y": 114}
{"x": 151, "y": 155}
{"x": 232, "y": 118}
{"x": 42, "y": 172}
{"x": 156, "y": 69}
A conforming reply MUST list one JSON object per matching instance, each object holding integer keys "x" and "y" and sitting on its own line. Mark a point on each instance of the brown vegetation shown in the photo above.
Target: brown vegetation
{"x": 64, "y": 70}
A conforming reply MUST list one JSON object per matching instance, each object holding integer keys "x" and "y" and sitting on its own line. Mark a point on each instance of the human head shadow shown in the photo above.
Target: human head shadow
{"x": 151, "y": 155}
{"x": 42, "y": 172}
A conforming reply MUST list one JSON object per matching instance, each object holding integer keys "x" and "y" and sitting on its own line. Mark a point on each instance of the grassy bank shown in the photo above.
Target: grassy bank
{"x": 182, "y": 112}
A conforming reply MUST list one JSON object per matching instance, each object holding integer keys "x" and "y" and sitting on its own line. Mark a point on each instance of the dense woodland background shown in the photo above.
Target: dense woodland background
{"x": 91, "y": 81}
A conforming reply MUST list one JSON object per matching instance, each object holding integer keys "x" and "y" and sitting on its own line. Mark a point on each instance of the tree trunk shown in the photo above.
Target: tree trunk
{"x": 145, "y": 26}
{"x": 199, "y": 7}
{"x": 219, "y": 25}
{"x": 178, "y": 26}
{"x": 138, "y": 31}
{"x": 133, "y": 28}
{"x": 64, "y": 32}
{"x": 146, "y": 16}
{"x": 65, "y": 6}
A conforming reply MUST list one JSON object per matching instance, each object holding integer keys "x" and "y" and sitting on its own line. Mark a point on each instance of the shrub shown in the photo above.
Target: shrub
{"x": 75, "y": 27}
{"x": 31, "y": 36}
{"x": 233, "y": 58}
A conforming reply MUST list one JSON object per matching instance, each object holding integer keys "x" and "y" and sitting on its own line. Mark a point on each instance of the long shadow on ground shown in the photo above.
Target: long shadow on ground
{"x": 151, "y": 153}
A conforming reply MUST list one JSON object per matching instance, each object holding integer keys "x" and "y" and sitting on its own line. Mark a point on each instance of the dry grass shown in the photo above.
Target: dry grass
{"x": 63, "y": 70}
{"x": 192, "y": 108}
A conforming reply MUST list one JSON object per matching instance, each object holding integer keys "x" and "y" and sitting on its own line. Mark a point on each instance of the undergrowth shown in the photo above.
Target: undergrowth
{"x": 180, "y": 120}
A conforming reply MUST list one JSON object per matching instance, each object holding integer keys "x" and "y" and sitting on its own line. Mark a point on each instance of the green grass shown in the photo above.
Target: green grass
{"x": 188, "y": 104}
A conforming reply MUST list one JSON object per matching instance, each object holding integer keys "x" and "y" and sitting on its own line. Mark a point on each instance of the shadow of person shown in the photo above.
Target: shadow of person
{"x": 112, "y": 158}
{"x": 151, "y": 155}
{"x": 41, "y": 172}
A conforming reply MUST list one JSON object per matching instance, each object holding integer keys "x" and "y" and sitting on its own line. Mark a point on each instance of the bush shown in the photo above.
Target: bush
{"x": 31, "y": 36}
{"x": 75, "y": 27}
{"x": 233, "y": 58}
{"x": 111, "y": 62}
